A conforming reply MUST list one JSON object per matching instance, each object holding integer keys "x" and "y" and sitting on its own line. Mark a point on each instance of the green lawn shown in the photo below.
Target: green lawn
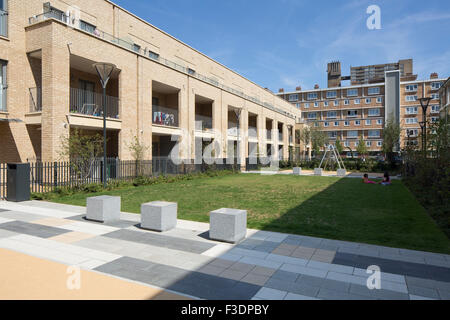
{"x": 334, "y": 208}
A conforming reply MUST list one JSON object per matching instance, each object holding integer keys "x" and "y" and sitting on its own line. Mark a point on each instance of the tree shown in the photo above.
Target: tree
{"x": 339, "y": 147}
{"x": 391, "y": 137}
{"x": 362, "y": 148}
{"x": 318, "y": 139}
{"x": 82, "y": 150}
{"x": 305, "y": 137}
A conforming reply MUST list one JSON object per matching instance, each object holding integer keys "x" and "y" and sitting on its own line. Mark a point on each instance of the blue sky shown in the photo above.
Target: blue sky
{"x": 286, "y": 43}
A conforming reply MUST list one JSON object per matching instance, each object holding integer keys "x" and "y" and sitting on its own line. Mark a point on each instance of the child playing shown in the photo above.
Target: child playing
{"x": 386, "y": 180}
{"x": 366, "y": 179}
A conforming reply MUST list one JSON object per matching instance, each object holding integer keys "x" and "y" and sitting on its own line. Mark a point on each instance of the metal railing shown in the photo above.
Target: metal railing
{"x": 202, "y": 123}
{"x": 3, "y": 99}
{"x": 252, "y": 132}
{"x": 280, "y": 136}
{"x": 52, "y": 14}
{"x": 35, "y": 99}
{"x": 3, "y": 181}
{"x": 90, "y": 103}
{"x": 3, "y": 23}
{"x": 165, "y": 116}
{"x": 269, "y": 134}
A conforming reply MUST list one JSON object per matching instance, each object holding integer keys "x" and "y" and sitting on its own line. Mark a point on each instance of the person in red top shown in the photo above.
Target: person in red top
{"x": 366, "y": 179}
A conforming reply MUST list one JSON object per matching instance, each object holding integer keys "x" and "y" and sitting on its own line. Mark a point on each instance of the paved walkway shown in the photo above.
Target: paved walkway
{"x": 267, "y": 265}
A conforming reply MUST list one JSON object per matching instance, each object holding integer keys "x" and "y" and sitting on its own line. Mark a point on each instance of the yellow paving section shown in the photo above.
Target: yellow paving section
{"x": 23, "y": 277}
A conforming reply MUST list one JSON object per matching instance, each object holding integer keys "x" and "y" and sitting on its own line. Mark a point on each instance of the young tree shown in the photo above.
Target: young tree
{"x": 318, "y": 140}
{"x": 339, "y": 147}
{"x": 305, "y": 137}
{"x": 362, "y": 148}
{"x": 391, "y": 137}
{"x": 138, "y": 151}
{"x": 82, "y": 150}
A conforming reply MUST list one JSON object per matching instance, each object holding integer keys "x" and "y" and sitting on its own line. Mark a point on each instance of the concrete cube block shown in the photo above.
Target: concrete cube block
{"x": 159, "y": 216}
{"x": 228, "y": 225}
{"x": 103, "y": 208}
{"x": 318, "y": 171}
{"x": 297, "y": 171}
{"x": 341, "y": 172}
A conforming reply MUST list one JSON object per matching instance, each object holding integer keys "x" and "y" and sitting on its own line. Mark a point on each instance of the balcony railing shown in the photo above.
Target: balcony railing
{"x": 131, "y": 46}
{"x": 3, "y": 98}
{"x": 269, "y": 134}
{"x": 35, "y": 99}
{"x": 90, "y": 103}
{"x": 280, "y": 136}
{"x": 165, "y": 116}
{"x": 3, "y": 23}
{"x": 203, "y": 123}
{"x": 252, "y": 132}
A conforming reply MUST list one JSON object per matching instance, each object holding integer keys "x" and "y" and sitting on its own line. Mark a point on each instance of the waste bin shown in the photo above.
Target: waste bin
{"x": 18, "y": 186}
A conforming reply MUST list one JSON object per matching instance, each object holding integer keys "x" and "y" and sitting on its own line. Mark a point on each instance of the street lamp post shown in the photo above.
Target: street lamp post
{"x": 104, "y": 71}
{"x": 424, "y": 102}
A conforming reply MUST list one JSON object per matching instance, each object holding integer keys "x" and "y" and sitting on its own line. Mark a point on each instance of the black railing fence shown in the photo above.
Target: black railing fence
{"x": 3, "y": 181}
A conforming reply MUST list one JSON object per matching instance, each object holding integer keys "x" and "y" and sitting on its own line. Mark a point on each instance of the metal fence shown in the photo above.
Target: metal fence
{"x": 90, "y": 103}
{"x": 3, "y": 181}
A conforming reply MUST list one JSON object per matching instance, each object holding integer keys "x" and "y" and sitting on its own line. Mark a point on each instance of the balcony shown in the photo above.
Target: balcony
{"x": 3, "y": 98}
{"x": 253, "y": 132}
{"x": 89, "y": 103}
{"x": 269, "y": 135}
{"x": 35, "y": 99}
{"x": 203, "y": 123}
{"x": 165, "y": 116}
{"x": 280, "y": 137}
{"x": 3, "y": 23}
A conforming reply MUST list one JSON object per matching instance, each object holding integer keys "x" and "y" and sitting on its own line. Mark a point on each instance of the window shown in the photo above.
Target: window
{"x": 312, "y": 115}
{"x": 3, "y": 18}
{"x": 357, "y": 101}
{"x": 346, "y": 102}
{"x": 3, "y": 86}
{"x": 336, "y": 123}
{"x": 435, "y": 109}
{"x": 312, "y": 96}
{"x": 357, "y": 122}
{"x": 352, "y": 113}
{"x": 356, "y": 143}
{"x": 332, "y": 134}
{"x": 331, "y": 94}
{"x": 411, "y": 88}
{"x": 412, "y": 132}
{"x": 297, "y": 105}
{"x": 368, "y": 122}
{"x": 336, "y": 103}
{"x": 316, "y": 124}
{"x": 374, "y": 134}
{"x": 374, "y": 90}
{"x": 369, "y": 143}
{"x": 380, "y": 122}
{"x": 411, "y": 120}
{"x": 368, "y": 100}
{"x": 191, "y": 71}
{"x": 410, "y": 98}
{"x": 332, "y": 114}
{"x": 379, "y": 100}
{"x": 352, "y": 92}
{"x": 316, "y": 104}
{"x": 326, "y": 124}
{"x": 346, "y": 123}
{"x": 325, "y": 103}
{"x": 87, "y": 26}
{"x": 379, "y": 143}
{"x": 346, "y": 144}
{"x": 153, "y": 55}
{"x": 374, "y": 112}
{"x": 434, "y": 119}
{"x": 136, "y": 48}
{"x": 352, "y": 134}
{"x": 411, "y": 110}
{"x": 293, "y": 97}
{"x": 435, "y": 96}
{"x": 306, "y": 105}
{"x": 436, "y": 85}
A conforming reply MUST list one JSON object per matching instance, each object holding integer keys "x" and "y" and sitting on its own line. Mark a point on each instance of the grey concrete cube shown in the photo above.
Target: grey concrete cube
{"x": 318, "y": 171}
{"x": 159, "y": 215}
{"x": 297, "y": 171}
{"x": 341, "y": 172}
{"x": 228, "y": 225}
{"x": 103, "y": 208}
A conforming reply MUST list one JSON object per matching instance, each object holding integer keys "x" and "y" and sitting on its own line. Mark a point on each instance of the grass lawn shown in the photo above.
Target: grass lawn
{"x": 333, "y": 208}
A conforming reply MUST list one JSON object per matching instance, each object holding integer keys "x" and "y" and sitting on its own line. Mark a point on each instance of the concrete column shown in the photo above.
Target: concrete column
{"x": 275, "y": 139}
{"x": 243, "y": 135}
{"x": 217, "y": 123}
{"x": 261, "y": 122}
{"x": 285, "y": 141}
{"x": 191, "y": 120}
{"x": 183, "y": 120}
{"x": 224, "y": 121}
{"x": 55, "y": 99}
{"x": 144, "y": 116}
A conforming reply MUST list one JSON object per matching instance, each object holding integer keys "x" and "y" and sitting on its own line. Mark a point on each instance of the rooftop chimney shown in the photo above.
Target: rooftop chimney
{"x": 299, "y": 88}
{"x": 434, "y": 75}
{"x": 316, "y": 86}
{"x": 281, "y": 90}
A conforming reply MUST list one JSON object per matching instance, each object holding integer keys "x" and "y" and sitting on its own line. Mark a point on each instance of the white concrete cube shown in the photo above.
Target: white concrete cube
{"x": 341, "y": 172}
{"x": 103, "y": 208}
{"x": 159, "y": 215}
{"x": 297, "y": 171}
{"x": 228, "y": 225}
{"x": 318, "y": 171}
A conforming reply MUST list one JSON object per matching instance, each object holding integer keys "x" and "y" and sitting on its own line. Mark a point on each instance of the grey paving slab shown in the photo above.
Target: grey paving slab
{"x": 444, "y": 294}
{"x": 311, "y": 280}
{"x": 270, "y": 294}
{"x": 21, "y": 216}
{"x": 212, "y": 270}
{"x": 336, "y": 295}
{"x": 4, "y": 210}
{"x": 285, "y": 275}
{"x": 377, "y": 294}
{"x": 279, "y": 284}
{"x": 304, "y": 289}
{"x": 260, "y": 262}
{"x": 221, "y": 263}
{"x": 256, "y": 279}
{"x": 304, "y": 270}
{"x": 233, "y": 274}
{"x": 161, "y": 240}
{"x": 32, "y": 229}
{"x": 335, "y": 285}
{"x": 6, "y": 234}
{"x": 296, "y": 297}
{"x": 263, "y": 271}
{"x": 241, "y": 267}
{"x": 424, "y": 292}
{"x": 117, "y": 224}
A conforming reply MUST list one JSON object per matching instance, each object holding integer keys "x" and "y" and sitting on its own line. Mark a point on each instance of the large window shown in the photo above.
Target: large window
{"x": 352, "y": 134}
{"x": 411, "y": 88}
{"x": 411, "y": 120}
{"x": 374, "y": 133}
{"x": 374, "y": 112}
{"x": 332, "y": 114}
{"x": 411, "y": 110}
{"x": 352, "y": 92}
{"x": 410, "y": 98}
{"x": 374, "y": 90}
{"x": 436, "y": 85}
{"x": 352, "y": 113}
{"x": 435, "y": 109}
{"x": 293, "y": 97}
{"x": 87, "y": 27}
{"x": 3, "y": 86}
{"x": 4, "y": 18}
{"x": 312, "y": 96}
{"x": 331, "y": 94}
{"x": 312, "y": 115}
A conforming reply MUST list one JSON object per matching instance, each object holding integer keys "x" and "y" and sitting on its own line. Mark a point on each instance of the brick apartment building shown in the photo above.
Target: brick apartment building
{"x": 162, "y": 88}
{"x": 375, "y": 95}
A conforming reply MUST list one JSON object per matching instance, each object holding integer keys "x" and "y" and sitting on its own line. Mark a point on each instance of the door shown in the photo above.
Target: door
{"x": 88, "y": 105}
